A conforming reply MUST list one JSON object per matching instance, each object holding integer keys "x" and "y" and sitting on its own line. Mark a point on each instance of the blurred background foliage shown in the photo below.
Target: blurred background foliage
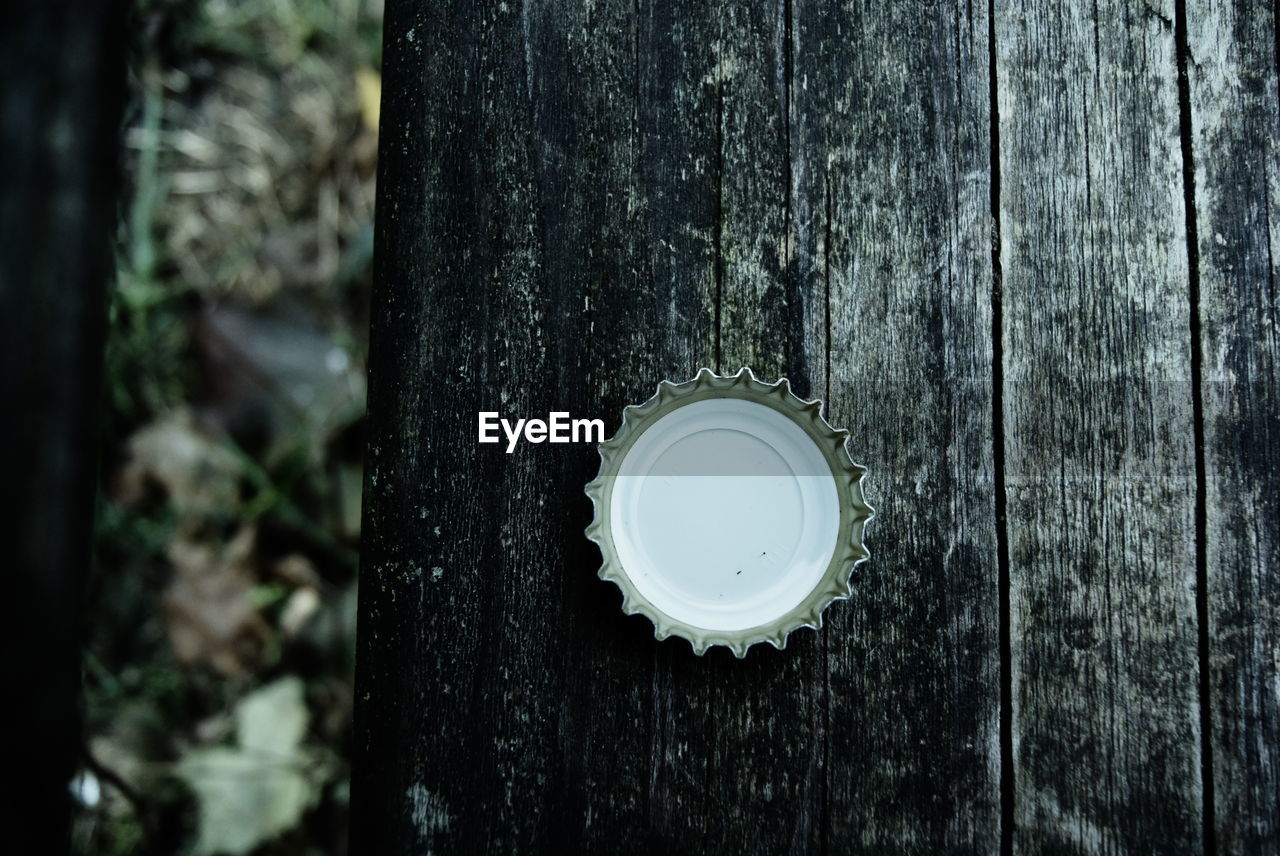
{"x": 218, "y": 667}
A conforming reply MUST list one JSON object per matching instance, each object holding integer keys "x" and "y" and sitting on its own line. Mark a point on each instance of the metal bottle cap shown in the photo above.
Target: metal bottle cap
{"x": 728, "y": 511}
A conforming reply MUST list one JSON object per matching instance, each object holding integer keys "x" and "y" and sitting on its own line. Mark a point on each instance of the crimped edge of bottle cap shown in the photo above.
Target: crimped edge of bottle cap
{"x": 850, "y": 551}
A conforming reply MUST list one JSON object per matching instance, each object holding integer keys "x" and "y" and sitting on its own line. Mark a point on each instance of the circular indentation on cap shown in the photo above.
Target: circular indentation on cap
{"x": 728, "y": 511}
{"x": 725, "y": 514}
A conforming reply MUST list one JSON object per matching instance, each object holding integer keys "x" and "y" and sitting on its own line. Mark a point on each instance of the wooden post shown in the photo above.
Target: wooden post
{"x": 961, "y": 225}
{"x": 578, "y": 202}
{"x": 1099, "y": 423}
{"x": 61, "y": 82}
{"x": 1234, "y": 135}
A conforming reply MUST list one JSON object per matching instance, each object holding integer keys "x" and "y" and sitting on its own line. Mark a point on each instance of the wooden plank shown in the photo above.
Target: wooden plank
{"x": 626, "y": 120}
{"x": 890, "y": 165}
{"x": 612, "y": 332}
{"x": 553, "y": 212}
{"x": 583, "y": 65}
{"x": 766, "y": 772}
{"x": 1098, "y": 418}
{"x": 61, "y": 93}
{"x": 460, "y": 587}
{"x": 1236, "y": 143}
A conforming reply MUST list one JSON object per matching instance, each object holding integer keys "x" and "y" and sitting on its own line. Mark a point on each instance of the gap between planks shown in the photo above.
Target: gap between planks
{"x": 1208, "y": 824}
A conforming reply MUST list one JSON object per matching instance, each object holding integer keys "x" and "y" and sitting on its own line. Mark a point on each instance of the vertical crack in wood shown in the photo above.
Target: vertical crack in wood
{"x": 1197, "y": 408}
{"x": 795, "y": 359}
{"x": 528, "y": 51}
{"x": 1113, "y": 777}
{"x": 826, "y": 286}
{"x": 797, "y": 294}
{"x": 787, "y": 74}
{"x": 1275, "y": 31}
{"x": 719, "y": 225}
{"x": 998, "y": 451}
{"x": 658, "y": 692}
{"x": 826, "y": 385}
{"x": 659, "y": 725}
{"x": 635, "y": 74}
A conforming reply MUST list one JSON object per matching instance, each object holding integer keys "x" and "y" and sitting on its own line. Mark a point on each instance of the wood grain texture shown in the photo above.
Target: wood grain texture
{"x": 893, "y": 241}
{"x": 765, "y": 770}
{"x": 1236, "y": 144}
{"x": 578, "y": 200}
{"x": 1098, "y": 417}
{"x": 615, "y": 231}
{"x": 459, "y": 730}
{"x": 560, "y": 251}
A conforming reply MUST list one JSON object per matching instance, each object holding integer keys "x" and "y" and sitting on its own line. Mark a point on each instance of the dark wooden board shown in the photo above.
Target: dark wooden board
{"x": 631, "y": 248}
{"x": 893, "y": 242}
{"x": 580, "y": 199}
{"x": 1099, "y": 428}
{"x": 458, "y": 732}
{"x": 764, "y": 725}
{"x": 577, "y": 201}
{"x": 1236, "y": 145}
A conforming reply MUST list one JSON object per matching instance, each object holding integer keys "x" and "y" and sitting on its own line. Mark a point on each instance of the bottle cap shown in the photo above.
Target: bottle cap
{"x": 728, "y": 511}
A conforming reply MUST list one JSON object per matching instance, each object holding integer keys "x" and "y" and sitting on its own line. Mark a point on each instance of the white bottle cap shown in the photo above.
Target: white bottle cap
{"x": 728, "y": 511}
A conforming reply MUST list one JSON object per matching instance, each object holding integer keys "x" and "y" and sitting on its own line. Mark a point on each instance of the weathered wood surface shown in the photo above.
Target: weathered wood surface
{"x": 1098, "y": 425}
{"x": 61, "y": 88}
{"x": 580, "y": 199}
{"x": 1236, "y": 144}
{"x": 893, "y": 202}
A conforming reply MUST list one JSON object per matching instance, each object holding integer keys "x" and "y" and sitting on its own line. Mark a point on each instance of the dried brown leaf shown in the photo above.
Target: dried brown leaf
{"x": 199, "y": 475}
{"x": 211, "y": 618}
